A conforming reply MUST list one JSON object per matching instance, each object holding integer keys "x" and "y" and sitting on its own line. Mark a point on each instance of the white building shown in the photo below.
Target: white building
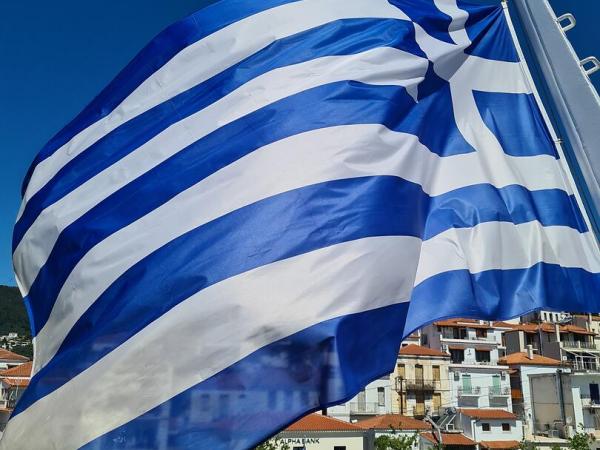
{"x": 524, "y": 365}
{"x": 375, "y": 399}
{"x": 491, "y": 428}
{"x": 477, "y": 380}
{"x": 317, "y": 432}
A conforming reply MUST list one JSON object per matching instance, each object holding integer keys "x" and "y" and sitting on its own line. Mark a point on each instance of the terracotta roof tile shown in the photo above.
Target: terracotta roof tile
{"x": 7, "y": 354}
{"x": 487, "y": 413}
{"x": 22, "y": 370}
{"x": 318, "y": 422}
{"x": 417, "y": 350}
{"x": 549, "y": 328}
{"x": 450, "y": 439}
{"x": 396, "y": 421}
{"x": 500, "y": 444}
{"x": 521, "y": 359}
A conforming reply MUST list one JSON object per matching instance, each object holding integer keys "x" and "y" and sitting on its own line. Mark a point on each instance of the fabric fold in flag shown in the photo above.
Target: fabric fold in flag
{"x": 243, "y": 226}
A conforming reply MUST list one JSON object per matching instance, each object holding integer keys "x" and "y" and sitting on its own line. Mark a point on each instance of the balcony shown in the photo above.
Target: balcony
{"x": 583, "y": 366}
{"x": 469, "y": 392}
{"x": 499, "y": 391}
{"x": 367, "y": 408}
{"x": 422, "y": 385}
{"x": 591, "y": 403}
{"x": 579, "y": 345}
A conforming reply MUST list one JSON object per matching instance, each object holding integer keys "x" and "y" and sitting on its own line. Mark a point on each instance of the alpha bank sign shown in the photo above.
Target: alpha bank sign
{"x": 300, "y": 441}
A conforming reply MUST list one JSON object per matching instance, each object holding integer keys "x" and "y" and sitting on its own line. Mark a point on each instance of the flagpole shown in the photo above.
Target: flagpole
{"x": 570, "y": 97}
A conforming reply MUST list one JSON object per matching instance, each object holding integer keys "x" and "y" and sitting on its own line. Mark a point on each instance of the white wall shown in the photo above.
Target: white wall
{"x": 325, "y": 440}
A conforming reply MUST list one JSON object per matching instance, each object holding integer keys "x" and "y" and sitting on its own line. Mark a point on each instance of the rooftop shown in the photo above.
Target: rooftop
{"x": 417, "y": 350}
{"x": 521, "y": 359}
{"x": 395, "y": 421}
{"x": 22, "y": 370}
{"x": 16, "y": 382}
{"x": 450, "y": 439}
{"x": 476, "y": 413}
{"x": 318, "y": 422}
{"x": 462, "y": 323}
{"x": 8, "y": 355}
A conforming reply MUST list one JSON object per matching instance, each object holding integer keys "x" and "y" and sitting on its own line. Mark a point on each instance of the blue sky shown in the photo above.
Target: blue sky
{"x": 56, "y": 56}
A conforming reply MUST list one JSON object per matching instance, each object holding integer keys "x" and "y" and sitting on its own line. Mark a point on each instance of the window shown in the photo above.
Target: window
{"x": 401, "y": 371}
{"x": 506, "y": 427}
{"x": 480, "y": 333}
{"x": 339, "y": 447}
{"x": 299, "y": 448}
{"x": 485, "y": 426}
{"x": 381, "y": 396}
{"x": 457, "y": 355}
{"x": 437, "y": 403}
{"x": 436, "y": 373}
{"x": 482, "y": 355}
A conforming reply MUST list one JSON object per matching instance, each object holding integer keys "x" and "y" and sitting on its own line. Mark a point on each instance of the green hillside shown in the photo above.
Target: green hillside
{"x": 13, "y": 317}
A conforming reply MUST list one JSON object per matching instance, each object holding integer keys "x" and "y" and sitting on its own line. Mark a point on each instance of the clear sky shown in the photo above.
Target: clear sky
{"x": 56, "y": 56}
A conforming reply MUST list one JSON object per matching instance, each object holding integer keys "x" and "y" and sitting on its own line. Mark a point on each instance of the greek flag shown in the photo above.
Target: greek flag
{"x": 244, "y": 224}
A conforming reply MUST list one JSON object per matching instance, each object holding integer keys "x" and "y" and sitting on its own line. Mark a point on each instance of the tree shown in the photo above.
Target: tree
{"x": 387, "y": 442}
{"x": 273, "y": 444}
{"x": 581, "y": 440}
{"x": 527, "y": 445}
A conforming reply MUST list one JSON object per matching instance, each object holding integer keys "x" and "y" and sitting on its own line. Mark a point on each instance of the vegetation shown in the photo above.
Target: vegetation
{"x": 273, "y": 444}
{"x": 392, "y": 442}
{"x": 581, "y": 440}
{"x": 13, "y": 316}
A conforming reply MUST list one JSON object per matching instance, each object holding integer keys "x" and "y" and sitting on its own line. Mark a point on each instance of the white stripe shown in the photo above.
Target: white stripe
{"x": 216, "y": 53}
{"x": 503, "y": 245}
{"x": 309, "y": 158}
{"x": 456, "y": 29}
{"x": 231, "y": 319}
{"x": 492, "y": 76}
{"x": 384, "y": 65}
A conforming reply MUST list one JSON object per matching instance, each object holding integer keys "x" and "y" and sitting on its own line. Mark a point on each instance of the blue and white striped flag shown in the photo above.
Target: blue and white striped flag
{"x": 244, "y": 224}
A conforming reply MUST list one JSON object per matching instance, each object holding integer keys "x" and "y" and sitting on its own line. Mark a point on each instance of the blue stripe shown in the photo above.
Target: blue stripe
{"x": 489, "y": 33}
{"x": 516, "y": 121}
{"x": 340, "y": 38}
{"x": 250, "y": 400}
{"x": 472, "y": 205}
{"x": 428, "y": 16}
{"x": 338, "y": 104}
{"x": 264, "y": 232}
{"x": 156, "y": 54}
{"x": 502, "y": 294}
{"x": 463, "y": 207}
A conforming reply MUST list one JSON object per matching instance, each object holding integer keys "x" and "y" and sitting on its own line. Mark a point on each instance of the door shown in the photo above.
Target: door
{"x": 419, "y": 375}
{"x": 466, "y": 384}
{"x": 437, "y": 403}
{"x": 436, "y": 377}
{"x": 594, "y": 393}
{"x": 362, "y": 401}
{"x": 496, "y": 384}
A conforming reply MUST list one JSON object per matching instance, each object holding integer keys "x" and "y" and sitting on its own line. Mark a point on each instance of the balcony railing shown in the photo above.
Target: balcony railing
{"x": 366, "y": 408}
{"x": 588, "y": 402}
{"x": 464, "y": 392}
{"x": 499, "y": 391}
{"x": 421, "y": 385}
{"x": 579, "y": 344}
{"x": 583, "y": 366}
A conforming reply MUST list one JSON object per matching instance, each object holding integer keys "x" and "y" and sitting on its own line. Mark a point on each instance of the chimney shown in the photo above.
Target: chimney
{"x": 530, "y": 351}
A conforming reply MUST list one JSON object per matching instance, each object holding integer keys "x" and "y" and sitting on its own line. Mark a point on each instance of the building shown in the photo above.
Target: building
{"x": 318, "y": 432}
{"x": 9, "y": 359}
{"x": 477, "y": 380}
{"x": 450, "y": 441}
{"x": 491, "y": 428}
{"x": 421, "y": 381}
{"x": 13, "y": 382}
{"x": 570, "y": 344}
{"x": 393, "y": 425}
{"x": 375, "y": 399}
{"x": 522, "y": 366}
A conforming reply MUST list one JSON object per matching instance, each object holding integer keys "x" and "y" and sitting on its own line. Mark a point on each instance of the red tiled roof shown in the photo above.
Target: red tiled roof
{"x": 509, "y": 445}
{"x": 318, "y": 422}
{"x": 450, "y": 439}
{"x": 22, "y": 370}
{"x": 396, "y": 421}
{"x": 549, "y": 328}
{"x": 417, "y": 350}
{"x": 7, "y": 354}
{"x": 16, "y": 382}
{"x": 487, "y": 413}
{"x": 521, "y": 359}
{"x": 502, "y": 324}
